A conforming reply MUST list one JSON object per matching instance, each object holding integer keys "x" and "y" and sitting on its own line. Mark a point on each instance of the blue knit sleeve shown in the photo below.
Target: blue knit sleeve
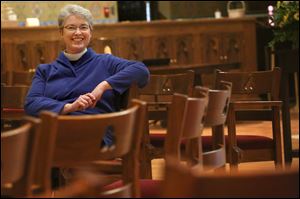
{"x": 126, "y": 72}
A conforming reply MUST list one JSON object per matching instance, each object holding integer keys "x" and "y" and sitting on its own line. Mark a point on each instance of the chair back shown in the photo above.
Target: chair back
{"x": 89, "y": 134}
{"x": 252, "y": 83}
{"x": 167, "y": 84}
{"x": 181, "y": 181}
{"x": 22, "y": 77}
{"x": 218, "y": 103}
{"x": 13, "y": 96}
{"x": 79, "y": 140}
{"x": 159, "y": 91}
{"x": 17, "y": 78}
{"x": 18, "y": 155}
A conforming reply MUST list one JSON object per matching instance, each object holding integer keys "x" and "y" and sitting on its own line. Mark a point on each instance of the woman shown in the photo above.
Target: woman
{"x": 80, "y": 81}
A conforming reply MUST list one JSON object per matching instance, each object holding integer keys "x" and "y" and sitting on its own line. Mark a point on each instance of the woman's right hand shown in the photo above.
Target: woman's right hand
{"x": 81, "y": 103}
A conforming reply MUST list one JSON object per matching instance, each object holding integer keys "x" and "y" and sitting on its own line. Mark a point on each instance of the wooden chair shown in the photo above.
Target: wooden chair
{"x": 18, "y": 155}
{"x": 185, "y": 124}
{"x": 12, "y": 103}
{"x": 244, "y": 148}
{"x": 214, "y": 146}
{"x": 288, "y": 61}
{"x": 181, "y": 181}
{"x": 158, "y": 95}
{"x": 79, "y": 142}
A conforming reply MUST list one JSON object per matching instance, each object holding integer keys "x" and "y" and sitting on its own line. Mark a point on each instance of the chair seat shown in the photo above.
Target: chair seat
{"x": 12, "y": 113}
{"x": 243, "y": 141}
{"x": 149, "y": 188}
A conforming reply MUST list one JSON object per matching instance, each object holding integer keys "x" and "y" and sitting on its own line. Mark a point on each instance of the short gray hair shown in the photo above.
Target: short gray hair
{"x": 74, "y": 10}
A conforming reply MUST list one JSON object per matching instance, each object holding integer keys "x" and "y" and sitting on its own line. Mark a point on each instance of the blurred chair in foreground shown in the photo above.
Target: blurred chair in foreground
{"x": 86, "y": 184}
{"x": 184, "y": 182}
{"x": 79, "y": 144}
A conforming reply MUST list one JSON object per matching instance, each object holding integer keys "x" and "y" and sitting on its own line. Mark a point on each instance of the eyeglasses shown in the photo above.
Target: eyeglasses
{"x": 72, "y": 28}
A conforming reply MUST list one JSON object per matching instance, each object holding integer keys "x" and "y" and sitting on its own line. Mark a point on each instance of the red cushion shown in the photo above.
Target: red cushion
{"x": 243, "y": 141}
{"x": 19, "y": 110}
{"x": 149, "y": 188}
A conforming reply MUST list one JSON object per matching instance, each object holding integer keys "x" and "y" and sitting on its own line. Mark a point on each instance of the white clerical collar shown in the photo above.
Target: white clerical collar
{"x": 75, "y": 57}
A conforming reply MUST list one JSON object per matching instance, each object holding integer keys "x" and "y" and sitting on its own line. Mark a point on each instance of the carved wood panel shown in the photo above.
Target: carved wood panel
{"x": 232, "y": 47}
{"x": 163, "y": 46}
{"x": 36, "y": 53}
{"x": 2, "y": 58}
{"x": 222, "y": 47}
{"x": 21, "y": 57}
{"x": 212, "y": 48}
{"x": 53, "y": 49}
{"x": 184, "y": 49}
{"x": 133, "y": 46}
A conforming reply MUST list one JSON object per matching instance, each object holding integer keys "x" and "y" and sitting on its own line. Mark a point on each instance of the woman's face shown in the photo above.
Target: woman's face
{"x": 76, "y": 34}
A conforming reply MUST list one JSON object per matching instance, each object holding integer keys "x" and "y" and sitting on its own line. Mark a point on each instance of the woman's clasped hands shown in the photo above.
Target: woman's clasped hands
{"x": 84, "y": 101}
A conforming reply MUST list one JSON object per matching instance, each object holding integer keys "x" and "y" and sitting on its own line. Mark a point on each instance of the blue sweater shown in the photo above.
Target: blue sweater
{"x": 60, "y": 82}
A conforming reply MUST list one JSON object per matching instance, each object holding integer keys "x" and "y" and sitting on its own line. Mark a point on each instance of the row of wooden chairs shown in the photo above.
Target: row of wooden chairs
{"x": 29, "y": 152}
{"x": 251, "y": 100}
{"x": 185, "y": 109}
{"x": 63, "y": 141}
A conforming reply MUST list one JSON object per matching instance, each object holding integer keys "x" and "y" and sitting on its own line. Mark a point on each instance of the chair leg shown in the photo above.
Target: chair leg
{"x": 236, "y": 156}
{"x": 234, "y": 151}
{"x": 145, "y": 163}
{"x": 277, "y": 137}
{"x": 146, "y": 154}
